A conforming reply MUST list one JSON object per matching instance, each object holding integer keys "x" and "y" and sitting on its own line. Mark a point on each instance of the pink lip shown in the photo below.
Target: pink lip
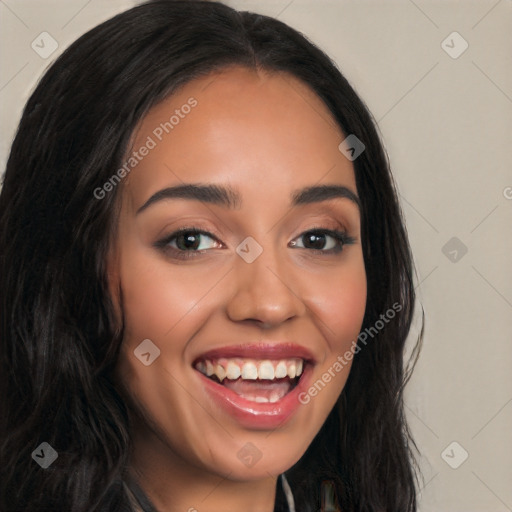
{"x": 255, "y": 415}
{"x": 263, "y": 350}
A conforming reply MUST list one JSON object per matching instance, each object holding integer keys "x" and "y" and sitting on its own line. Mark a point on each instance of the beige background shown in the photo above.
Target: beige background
{"x": 447, "y": 125}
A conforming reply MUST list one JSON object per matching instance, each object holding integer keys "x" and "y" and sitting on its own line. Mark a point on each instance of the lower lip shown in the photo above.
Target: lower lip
{"x": 255, "y": 415}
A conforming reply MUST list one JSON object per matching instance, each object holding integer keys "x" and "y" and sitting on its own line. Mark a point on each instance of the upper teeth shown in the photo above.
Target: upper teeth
{"x": 250, "y": 369}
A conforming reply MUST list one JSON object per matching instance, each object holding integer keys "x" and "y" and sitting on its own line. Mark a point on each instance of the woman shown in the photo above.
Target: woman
{"x": 206, "y": 281}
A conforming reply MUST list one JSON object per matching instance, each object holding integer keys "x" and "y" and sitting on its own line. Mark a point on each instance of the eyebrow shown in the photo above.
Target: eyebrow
{"x": 228, "y": 197}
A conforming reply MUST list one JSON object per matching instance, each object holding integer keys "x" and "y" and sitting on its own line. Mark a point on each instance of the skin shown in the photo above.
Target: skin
{"x": 248, "y": 128}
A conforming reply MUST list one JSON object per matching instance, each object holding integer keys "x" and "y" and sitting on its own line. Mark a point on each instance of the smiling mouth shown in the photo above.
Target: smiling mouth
{"x": 256, "y": 380}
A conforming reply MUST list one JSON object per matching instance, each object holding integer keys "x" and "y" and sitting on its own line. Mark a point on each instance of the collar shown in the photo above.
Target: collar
{"x": 141, "y": 503}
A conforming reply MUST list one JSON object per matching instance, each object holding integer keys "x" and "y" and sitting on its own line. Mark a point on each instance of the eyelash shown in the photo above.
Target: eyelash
{"x": 341, "y": 237}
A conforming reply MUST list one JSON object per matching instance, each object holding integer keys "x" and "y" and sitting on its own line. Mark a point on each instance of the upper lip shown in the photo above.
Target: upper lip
{"x": 261, "y": 350}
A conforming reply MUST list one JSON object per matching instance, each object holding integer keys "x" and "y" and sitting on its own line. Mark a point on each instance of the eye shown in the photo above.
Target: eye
{"x": 323, "y": 240}
{"x": 187, "y": 241}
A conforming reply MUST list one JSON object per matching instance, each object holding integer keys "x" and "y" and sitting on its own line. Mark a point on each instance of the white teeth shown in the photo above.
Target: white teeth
{"x": 249, "y": 371}
{"x": 281, "y": 370}
{"x": 274, "y": 397}
{"x": 266, "y": 370}
{"x": 232, "y": 371}
{"x": 220, "y": 372}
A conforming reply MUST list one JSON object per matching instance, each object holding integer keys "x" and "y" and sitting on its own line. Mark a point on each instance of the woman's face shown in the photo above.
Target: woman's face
{"x": 265, "y": 287}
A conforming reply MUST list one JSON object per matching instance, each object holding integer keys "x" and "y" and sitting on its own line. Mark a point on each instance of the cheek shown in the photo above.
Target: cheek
{"x": 159, "y": 303}
{"x": 338, "y": 308}
{"x": 160, "y": 300}
{"x": 340, "y": 303}
{"x": 162, "y": 303}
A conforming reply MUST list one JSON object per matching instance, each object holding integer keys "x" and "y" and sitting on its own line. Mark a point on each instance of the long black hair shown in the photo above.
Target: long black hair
{"x": 59, "y": 340}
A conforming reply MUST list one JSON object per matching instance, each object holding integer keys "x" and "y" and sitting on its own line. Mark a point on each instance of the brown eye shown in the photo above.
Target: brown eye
{"x": 314, "y": 241}
{"x": 190, "y": 240}
{"x": 323, "y": 240}
{"x": 187, "y": 242}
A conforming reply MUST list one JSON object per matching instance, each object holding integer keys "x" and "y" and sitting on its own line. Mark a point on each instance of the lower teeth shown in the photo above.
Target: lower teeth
{"x": 251, "y": 391}
{"x": 262, "y": 399}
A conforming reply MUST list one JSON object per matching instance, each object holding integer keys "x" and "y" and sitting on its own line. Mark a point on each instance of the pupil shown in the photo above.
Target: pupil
{"x": 190, "y": 241}
{"x": 316, "y": 241}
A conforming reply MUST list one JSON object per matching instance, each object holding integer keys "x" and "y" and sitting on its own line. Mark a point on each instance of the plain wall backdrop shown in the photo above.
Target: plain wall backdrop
{"x": 437, "y": 77}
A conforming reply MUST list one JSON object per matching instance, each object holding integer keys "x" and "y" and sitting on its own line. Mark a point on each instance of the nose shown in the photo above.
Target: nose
{"x": 266, "y": 292}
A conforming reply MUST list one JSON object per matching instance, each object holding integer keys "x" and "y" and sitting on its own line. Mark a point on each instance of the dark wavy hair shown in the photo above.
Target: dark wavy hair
{"x": 59, "y": 340}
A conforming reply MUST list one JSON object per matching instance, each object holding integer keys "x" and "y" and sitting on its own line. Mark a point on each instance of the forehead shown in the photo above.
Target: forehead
{"x": 240, "y": 126}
